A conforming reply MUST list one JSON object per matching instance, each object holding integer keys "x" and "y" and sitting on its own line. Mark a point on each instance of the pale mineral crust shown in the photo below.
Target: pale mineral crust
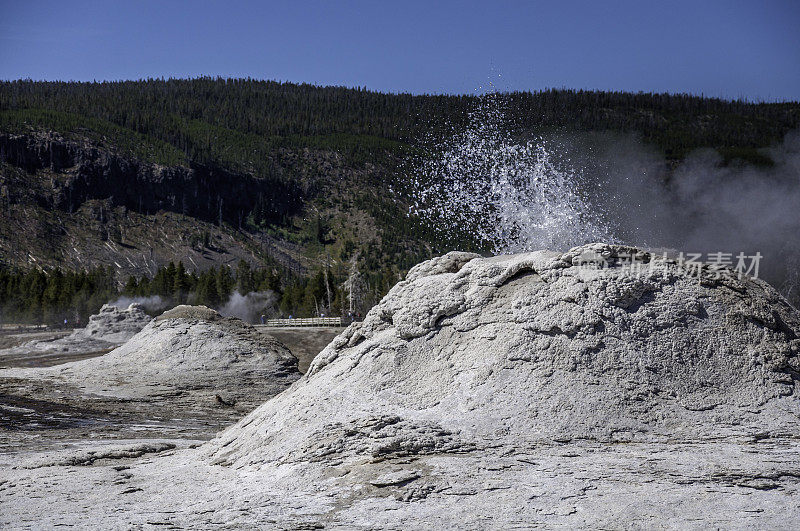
{"x": 191, "y": 352}
{"x": 602, "y": 387}
{"x": 514, "y": 350}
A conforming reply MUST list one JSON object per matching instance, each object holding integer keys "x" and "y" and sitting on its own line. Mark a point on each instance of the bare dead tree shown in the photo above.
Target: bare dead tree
{"x": 353, "y": 283}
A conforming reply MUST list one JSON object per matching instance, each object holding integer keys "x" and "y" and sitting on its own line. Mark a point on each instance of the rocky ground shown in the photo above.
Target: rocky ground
{"x": 40, "y": 413}
{"x": 304, "y": 342}
{"x": 185, "y": 375}
{"x": 559, "y": 389}
{"x": 12, "y": 338}
{"x": 730, "y": 485}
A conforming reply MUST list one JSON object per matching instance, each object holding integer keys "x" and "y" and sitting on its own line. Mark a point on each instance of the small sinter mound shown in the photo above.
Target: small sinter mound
{"x": 603, "y": 343}
{"x": 106, "y": 329}
{"x": 188, "y": 348}
{"x": 114, "y": 325}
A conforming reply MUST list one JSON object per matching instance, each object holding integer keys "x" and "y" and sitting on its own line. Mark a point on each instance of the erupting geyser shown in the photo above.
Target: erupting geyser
{"x": 512, "y": 196}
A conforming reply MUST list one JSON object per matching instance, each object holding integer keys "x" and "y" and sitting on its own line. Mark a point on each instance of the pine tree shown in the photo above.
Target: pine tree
{"x": 181, "y": 284}
{"x": 244, "y": 278}
{"x": 207, "y": 292}
{"x": 131, "y": 288}
{"x": 225, "y": 282}
{"x": 169, "y": 279}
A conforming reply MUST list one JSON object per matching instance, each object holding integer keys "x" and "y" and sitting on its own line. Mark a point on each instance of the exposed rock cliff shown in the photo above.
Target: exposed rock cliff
{"x": 88, "y": 172}
{"x": 77, "y": 203}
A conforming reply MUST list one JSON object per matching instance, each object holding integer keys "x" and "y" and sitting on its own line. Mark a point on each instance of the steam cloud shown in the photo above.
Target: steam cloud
{"x": 250, "y": 307}
{"x": 562, "y": 191}
{"x": 706, "y": 207}
{"x": 152, "y": 303}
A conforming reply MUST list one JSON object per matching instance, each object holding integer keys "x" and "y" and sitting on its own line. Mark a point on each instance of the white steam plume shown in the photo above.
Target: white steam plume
{"x": 567, "y": 190}
{"x": 152, "y": 303}
{"x": 250, "y": 307}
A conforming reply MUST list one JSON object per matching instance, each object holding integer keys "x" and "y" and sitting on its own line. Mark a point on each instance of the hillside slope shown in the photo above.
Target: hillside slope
{"x": 208, "y": 171}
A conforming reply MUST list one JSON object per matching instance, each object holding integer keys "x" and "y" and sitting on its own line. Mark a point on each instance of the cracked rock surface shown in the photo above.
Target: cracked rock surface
{"x": 543, "y": 347}
{"x": 601, "y": 387}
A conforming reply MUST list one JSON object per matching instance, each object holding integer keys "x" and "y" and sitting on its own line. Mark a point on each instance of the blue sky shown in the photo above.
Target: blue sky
{"x": 719, "y": 48}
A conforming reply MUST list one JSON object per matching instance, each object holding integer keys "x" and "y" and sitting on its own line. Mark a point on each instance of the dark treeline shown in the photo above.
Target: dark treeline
{"x": 294, "y": 295}
{"x": 195, "y": 116}
{"x": 212, "y": 287}
{"x": 37, "y": 296}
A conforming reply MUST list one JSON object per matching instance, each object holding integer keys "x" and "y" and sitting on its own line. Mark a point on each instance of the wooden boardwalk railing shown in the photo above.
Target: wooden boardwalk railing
{"x": 12, "y": 327}
{"x": 306, "y": 321}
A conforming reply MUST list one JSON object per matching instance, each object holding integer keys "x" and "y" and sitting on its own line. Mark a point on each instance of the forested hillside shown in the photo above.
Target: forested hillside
{"x": 193, "y": 115}
{"x": 292, "y": 180}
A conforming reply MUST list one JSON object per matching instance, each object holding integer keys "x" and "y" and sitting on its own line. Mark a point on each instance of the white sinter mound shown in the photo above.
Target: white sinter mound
{"x": 106, "y": 329}
{"x": 473, "y": 352}
{"x": 115, "y": 325}
{"x": 190, "y": 348}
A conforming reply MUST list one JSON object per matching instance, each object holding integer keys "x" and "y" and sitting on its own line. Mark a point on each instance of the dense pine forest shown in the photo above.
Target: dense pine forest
{"x": 161, "y": 187}
{"x": 231, "y": 120}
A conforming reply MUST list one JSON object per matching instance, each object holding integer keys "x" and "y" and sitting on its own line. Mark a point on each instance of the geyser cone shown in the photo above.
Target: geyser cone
{"x": 472, "y": 352}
